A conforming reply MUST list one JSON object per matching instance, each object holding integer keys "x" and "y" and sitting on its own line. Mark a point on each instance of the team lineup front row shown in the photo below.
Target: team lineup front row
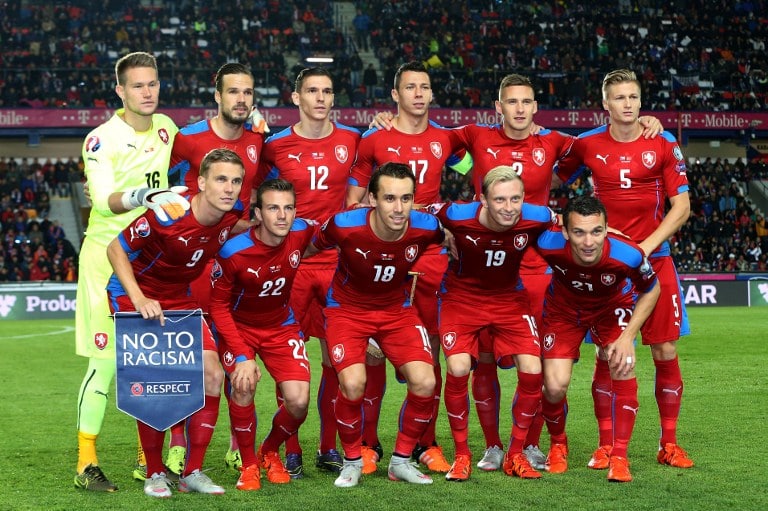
{"x": 596, "y": 276}
{"x": 381, "y": 274}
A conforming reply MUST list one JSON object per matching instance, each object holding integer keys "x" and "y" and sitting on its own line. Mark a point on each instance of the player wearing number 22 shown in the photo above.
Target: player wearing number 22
{"x": 491, "y": 237}
{"x": 154, "y": 265}
{"x": 252, "y": 279}
{"x": 378, "y": 247}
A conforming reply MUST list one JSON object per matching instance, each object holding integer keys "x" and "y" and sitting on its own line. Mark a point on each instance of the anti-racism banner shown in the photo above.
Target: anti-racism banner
{"x": 160, "y": 378}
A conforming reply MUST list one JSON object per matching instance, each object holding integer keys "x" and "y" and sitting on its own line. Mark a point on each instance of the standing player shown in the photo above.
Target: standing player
{"x": 168, "y": 256}
{"x": 126, "y": 163}
{"x": 483, "y": 292}
{"x": 633, "y": 177}
{"x": 378, "y": 246}
{"x": 233, "y": 128}
{"x": 250, "y": 311}
{"x": 424, "y": 147}
{"x": 589, "y": 292}
{"x": 315, "y": 155}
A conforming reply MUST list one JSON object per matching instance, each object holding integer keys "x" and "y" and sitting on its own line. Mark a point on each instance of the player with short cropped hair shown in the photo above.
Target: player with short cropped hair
{"x": 483, "y": 292}
{"x": 378, "y": 247}
{"x": 425, "y": 147}
{"x": 595, "y": 281}
{"x": 253, "y": 276}
{"x": 126, "y": 165}
{"x": 634, "y": 177}
{"x": 315, "y": 154}
{"x": 168, "y": 256}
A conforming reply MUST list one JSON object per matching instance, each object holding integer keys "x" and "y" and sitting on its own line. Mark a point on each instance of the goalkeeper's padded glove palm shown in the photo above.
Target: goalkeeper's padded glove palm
{"x": 258, "y": 122}
{"x": 167, "y": 204}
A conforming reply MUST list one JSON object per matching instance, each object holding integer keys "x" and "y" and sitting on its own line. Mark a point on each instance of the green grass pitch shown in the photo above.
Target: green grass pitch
{"x": 722, "y": 425}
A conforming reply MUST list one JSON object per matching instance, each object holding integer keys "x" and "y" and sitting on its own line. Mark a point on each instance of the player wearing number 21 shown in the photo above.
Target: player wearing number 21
{"x": 491, "y": 237}
{"x": 595, "y": 279}
{"x": 368, "y": 298}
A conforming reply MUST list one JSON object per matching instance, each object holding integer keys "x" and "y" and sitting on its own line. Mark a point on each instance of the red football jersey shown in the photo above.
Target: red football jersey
{"x": 632, "y": 179}
{"x": 167, "y": 258}
{"x": 319, "y": 170}
{"x": 488, "y": 261}
{"x": 196, "y": 140}
{"x": 426, "y": 154}
{"x": 252, "y": 282}
{"x": 371, "y": 271}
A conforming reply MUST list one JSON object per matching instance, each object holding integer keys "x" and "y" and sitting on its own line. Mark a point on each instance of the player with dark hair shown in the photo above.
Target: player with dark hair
{"x": 252, "y": 278}
{"x": 315, "y": 154}
{"x": 378, "y": 247}
{"x": 596, "y": 277}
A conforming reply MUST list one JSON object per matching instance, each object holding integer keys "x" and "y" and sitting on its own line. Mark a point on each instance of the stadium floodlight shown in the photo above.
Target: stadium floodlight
{"x": 320, "y": 59}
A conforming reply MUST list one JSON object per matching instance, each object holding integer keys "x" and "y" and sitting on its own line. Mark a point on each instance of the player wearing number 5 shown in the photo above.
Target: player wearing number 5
{"x": 634, "y": 177}
{"x": 252, "y": 278}
{"x": 368, "y": 298}
{"x": 125, "y": 159}
{"x": 491, "y": 237}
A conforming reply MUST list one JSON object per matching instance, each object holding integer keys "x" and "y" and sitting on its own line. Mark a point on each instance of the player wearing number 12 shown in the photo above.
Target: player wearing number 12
{"x": 491, "y": 237}
{"x": 315, "y": 154}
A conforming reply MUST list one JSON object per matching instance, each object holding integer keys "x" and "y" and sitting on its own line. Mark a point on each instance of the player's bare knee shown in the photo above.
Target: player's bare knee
{"x": 664, "y": 350}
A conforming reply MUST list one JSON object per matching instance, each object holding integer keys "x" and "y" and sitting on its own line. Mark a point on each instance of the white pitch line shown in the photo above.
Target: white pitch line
{"x": 64, "y": 330}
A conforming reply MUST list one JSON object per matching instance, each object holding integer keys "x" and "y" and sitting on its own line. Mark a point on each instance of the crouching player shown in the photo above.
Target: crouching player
{"x": 252, "y": 278}
{"x": 491, "y": 236}
{"x": 595, "y": 278}
{"x": 166, "y": 258}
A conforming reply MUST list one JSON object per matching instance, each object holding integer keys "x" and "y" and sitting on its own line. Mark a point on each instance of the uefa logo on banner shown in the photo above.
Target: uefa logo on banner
{"x": 160, "y": 379}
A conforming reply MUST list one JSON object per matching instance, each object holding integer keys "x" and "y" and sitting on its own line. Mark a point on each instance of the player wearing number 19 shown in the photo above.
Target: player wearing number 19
{"x": 124, "y": 157}
{"x": 482, "y": 291}
{"x": 252, "y": 278}
{"x": 378, "y": 247}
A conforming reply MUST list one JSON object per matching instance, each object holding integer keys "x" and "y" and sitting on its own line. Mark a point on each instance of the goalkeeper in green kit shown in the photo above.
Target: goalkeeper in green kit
{"x": 126, "y": 167}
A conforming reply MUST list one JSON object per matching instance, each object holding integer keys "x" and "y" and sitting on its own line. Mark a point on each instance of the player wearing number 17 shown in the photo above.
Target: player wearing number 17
{"x": 252, "y": 278}
{"x": 491, "y": 237}
{"x": 368, "y": 298}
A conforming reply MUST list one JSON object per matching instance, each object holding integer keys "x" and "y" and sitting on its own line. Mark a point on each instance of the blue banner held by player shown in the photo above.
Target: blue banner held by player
{"x": 160, "y": 378}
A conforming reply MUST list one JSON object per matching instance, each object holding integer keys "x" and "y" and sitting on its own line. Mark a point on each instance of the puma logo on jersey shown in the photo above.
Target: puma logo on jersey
{"x": 363, "y": 253}
{"x": 296, "y": 157}
{"x": 255, "y": 272}
{"x": 473, "y": 240}
{"x": 602, "y": 158}
{"x": 185, "y": 240}
{"x": 394, "y": 150}
{"x": 493, "y": 153}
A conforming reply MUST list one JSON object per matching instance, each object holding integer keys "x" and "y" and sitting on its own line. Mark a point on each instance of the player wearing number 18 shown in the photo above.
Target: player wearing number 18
{"x": 368, "y": 298}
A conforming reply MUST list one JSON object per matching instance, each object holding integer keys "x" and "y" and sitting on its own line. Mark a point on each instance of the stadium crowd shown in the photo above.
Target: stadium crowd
{"x": 693, "y": 55}
{"x": 34, "y": 246}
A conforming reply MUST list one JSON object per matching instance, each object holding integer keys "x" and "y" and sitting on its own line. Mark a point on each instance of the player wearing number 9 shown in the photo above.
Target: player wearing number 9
{"x": 154, "y": 265}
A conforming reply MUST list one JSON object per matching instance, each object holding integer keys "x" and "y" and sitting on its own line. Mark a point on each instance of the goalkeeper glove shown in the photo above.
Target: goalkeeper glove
{"x": 167, "y": 204}
{"x": 258, "y": 122}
